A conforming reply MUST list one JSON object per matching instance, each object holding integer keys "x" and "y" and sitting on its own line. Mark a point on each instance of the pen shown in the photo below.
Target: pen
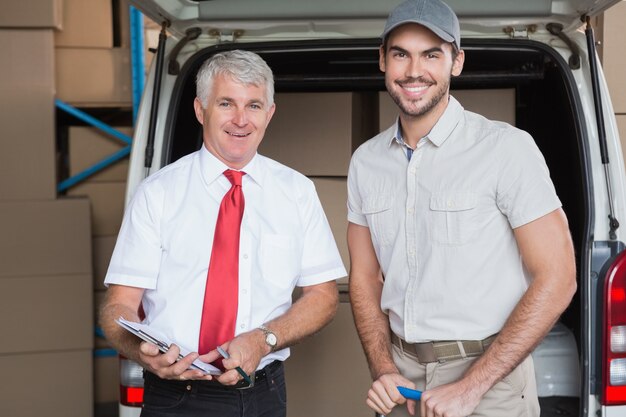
{"x": 225, "y": 355}
{"x": 410, "y": 394}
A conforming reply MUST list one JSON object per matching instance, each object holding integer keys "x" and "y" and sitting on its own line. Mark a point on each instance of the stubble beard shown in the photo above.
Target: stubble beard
{"x": 411, "y": 108}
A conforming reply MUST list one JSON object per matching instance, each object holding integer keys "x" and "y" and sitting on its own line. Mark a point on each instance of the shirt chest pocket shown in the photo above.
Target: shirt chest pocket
{"x": 378, "y": 211}
{"x": 452, "y": 219}
{"x": 278, "y": 260}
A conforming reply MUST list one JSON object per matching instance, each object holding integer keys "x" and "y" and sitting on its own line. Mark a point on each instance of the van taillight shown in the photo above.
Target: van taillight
{"x": 131, "y": 383}
{"x": 614, "y": 334}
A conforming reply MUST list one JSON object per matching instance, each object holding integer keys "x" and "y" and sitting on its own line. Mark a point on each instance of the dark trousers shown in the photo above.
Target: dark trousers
{"x": 168, "y": 398}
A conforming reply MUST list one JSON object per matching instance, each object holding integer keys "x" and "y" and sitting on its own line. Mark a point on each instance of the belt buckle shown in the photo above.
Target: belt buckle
{"x": 250, "y": 385}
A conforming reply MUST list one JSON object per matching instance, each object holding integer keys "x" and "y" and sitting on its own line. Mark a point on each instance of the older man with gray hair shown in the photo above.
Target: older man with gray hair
{"x": 211, "y": 247}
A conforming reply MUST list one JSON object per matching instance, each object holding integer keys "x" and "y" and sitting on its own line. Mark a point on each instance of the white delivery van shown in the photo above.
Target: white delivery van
{"x": 531, "y": 63}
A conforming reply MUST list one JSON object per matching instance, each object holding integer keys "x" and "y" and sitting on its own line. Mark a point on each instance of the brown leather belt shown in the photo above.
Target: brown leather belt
{"x": 442, "y": 351}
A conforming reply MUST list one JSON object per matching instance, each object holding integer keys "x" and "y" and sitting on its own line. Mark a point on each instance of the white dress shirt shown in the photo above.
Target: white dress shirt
{"x": 442, "y": 222}
{"x": 166, "y": 237}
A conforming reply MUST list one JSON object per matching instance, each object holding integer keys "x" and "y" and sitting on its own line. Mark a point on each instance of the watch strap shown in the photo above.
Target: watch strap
{"x": 268, "y": 332}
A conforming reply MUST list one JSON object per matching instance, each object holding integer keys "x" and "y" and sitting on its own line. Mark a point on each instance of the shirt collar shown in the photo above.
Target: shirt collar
{"x": 446, "y": 124}
{"x": 212, "y": 167}
{"x": 397, "y": 136}
{"x": 441, "y": 130}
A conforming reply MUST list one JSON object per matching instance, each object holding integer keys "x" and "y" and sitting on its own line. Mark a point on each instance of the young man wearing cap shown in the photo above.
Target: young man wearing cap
{"x": 461, "y": 257}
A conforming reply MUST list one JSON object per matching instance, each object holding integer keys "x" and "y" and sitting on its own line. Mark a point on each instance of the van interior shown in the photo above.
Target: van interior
{"x": 541, "y": 101}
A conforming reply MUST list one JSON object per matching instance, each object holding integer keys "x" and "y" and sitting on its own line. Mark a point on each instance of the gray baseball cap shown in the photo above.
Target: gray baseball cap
{"x": 433, "y": 14}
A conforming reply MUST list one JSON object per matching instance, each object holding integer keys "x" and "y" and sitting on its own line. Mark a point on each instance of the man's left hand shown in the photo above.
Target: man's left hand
{"x": 245, "y": 351}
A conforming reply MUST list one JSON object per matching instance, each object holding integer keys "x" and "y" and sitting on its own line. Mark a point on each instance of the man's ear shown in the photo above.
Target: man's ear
{"x": 457, "y": 65}
{"x": 197, "y": 106}
{"x": 381, "y": 58}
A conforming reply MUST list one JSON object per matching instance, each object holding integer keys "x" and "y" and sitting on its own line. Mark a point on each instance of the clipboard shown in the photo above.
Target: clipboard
{"x": 148, "y": 334}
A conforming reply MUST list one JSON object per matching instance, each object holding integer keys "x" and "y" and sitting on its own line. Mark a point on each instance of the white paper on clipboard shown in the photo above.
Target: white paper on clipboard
{"x": 148, "y": 334}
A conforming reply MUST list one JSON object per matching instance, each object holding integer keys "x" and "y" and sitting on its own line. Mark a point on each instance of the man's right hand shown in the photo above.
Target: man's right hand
{"x": 384, "y": 394}
{"x": 166, "y": 366}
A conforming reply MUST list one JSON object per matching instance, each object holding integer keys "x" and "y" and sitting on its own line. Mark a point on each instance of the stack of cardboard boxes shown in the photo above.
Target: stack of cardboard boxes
{"x": 90, "y": 71}
{"x": 613, "y": 53}
{"x": 93, "y": 70}
{"x": 45, "y": 247}
{"x": 316, "y": 133}
{"x": 105, "y": 190}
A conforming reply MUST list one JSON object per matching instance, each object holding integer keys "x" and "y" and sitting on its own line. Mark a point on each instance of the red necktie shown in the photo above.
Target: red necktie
{"x": 219, "y": 311}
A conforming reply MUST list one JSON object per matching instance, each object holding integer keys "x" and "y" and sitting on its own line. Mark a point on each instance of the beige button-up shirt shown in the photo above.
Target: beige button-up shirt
{"x": 442, "y": 222}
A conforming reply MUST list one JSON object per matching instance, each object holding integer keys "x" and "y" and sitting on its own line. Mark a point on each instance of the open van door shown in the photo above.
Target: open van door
{"x": 260, "y": 16}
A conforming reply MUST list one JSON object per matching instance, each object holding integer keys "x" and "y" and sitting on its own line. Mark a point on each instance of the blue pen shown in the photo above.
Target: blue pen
{"x": 410, "y": 394}
{"x": 225, "y": 355}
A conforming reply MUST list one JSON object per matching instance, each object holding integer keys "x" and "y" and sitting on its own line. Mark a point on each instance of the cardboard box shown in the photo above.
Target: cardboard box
{"x": 89, "y": 145}
{"x": 102, "y": 251}
{"x": 621, "y": 126}
{"x": 387, "y": 111}
{"x": 333, "y": 193}
{"x": 315, "y": 133}
{"x": 31, "y": 14}
{"x": 107, "y": 205}
{"x": 494, "y": 104}
{"x": 614, "y": 54}
{"x": 106, "y": 379}
{"x": 46, "y": 313}
{"x": 86, "y": 24}
{"x": 45, "y": 238}
{"x": 27, "y": 115}
{"x": 329, "y": 366}
{"x": 91, "y": 77}
{"x": 50, "y": 384}
{"x": 123, "y": 23}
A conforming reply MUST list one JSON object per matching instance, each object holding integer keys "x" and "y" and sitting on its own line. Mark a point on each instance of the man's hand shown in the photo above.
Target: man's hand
{"x": 166, "y": 366}
{"x": 384, "y": 394}
{"x": 245, "y": 350}
{"x": 458, "y": 399}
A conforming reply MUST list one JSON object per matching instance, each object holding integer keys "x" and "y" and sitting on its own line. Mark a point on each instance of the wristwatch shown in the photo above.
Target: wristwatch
{"x": 270, "y": 337}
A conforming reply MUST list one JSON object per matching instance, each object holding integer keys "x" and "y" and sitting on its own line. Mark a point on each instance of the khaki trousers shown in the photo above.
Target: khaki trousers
{"x": 514, "y": 396}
